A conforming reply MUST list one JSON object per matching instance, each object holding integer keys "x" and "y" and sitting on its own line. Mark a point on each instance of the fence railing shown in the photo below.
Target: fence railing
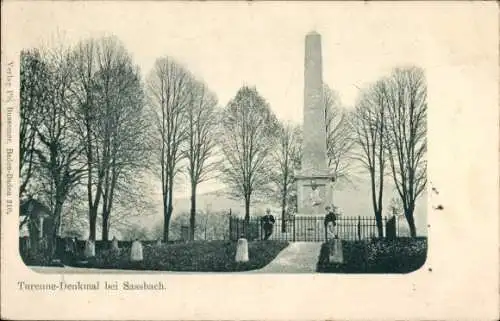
{"x": 306, "y": 228}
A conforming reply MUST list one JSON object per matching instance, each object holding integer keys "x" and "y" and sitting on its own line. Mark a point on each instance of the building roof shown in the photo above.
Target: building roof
{"x": 32, "y": 206}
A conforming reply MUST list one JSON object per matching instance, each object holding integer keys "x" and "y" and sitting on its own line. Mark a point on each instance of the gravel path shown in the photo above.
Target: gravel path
{"x": 298, "y": 257}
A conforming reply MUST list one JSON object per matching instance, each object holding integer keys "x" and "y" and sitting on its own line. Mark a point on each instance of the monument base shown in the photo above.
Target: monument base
{"x": 309, "y": 228}
{"x": 314, "y": 192}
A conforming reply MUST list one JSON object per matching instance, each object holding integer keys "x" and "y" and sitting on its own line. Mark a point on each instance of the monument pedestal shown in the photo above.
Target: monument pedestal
{"x": 314, "y": 192}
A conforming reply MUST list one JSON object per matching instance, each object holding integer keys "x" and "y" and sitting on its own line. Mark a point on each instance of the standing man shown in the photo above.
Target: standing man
{"x": 268, "y": 224}
{"x": 330, "y": 222}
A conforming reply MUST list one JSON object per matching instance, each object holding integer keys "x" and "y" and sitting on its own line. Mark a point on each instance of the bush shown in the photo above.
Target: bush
{"x": 402, "y": 255}
{"x": 36, "y": 257}
{"x": 39, "y": 257}
{"x": 214, "y": 256}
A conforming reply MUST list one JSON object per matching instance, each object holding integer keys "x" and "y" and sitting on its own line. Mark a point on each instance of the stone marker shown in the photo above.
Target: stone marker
{"x": 242, "y": 251}
{"x": 136, "y": 251}
{"x": 89, "y": 251}
{"x": 390, "y": 228}
{"x": 158, "y": 242}
{"x": 114, "y": 245}
{"x": 25, "y": 244}
{"x": 336, "y": 254}
{"x": 185, "y": 233}
{"x": 70, "y": 247}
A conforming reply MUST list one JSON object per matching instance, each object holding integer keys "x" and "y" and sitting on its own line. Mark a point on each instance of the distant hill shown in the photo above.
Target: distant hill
{"x": 216, "y": 201}
{"x": 352, "y": 201}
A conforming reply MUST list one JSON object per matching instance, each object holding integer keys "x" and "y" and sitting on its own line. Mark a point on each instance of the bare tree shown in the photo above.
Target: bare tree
{"x": 201, "y": 143}
{"x": 74, "y": 218}
{"x": 285, "y": 156}
{"x": 34, "y": 97}
{"x": 406, "y": 136}
{"x": 131, "y": 200}
{"x": 135, "y": 232}
{"x": 58, "y": 149}
{"x": 170, "y": 88}
{"x": 122, "y": 122}
{"x": 369, "y": 125}
{"x": 110, "y": 121}
{"x": 339, "y": 140}
{"x": 248, "y": 125}
{"x": 85, "y": 67}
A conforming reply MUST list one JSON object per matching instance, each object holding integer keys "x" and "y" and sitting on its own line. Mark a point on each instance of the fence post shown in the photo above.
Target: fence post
{"x": 396, "y": 220}
{"x": 293, "y": 228}
{"x": 230, "y": 226}
{"x": 237, "y": 221}
{"x": 384, "y": 228}
{"x": 260, "y": 230}
{"x": 359, "y": 227}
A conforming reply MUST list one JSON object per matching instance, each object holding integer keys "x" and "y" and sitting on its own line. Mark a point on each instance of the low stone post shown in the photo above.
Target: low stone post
{"x": 136, "y": 251}
{"x": 40, "y": 231}
{"x": 25, "y": 244}
{"x": 185, "y": 233}
{"x": 114, "y": 245}
{"x": 336, "y": 254}
{"x": 158, "y": 242}
{"x": 89, "y": 251}
{"x": 242, "y": 251}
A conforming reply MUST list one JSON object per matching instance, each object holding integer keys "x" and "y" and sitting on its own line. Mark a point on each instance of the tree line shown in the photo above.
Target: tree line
{"x": 92, "y": 132}
{"x": 390, "y": 124}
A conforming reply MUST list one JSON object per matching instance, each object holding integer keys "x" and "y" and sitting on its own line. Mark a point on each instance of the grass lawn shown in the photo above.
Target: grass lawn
{"x": 202, "y": 256}
{"x": 402, "y": 255}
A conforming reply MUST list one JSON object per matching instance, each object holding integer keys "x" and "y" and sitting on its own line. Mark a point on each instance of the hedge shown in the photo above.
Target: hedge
{"x": 401, "y": 255}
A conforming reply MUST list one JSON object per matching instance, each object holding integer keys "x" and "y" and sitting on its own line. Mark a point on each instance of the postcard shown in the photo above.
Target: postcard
{"x": 249, "y": 160}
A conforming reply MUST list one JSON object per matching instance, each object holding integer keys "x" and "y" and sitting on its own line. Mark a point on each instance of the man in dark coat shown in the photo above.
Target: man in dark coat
{"x": 268, "y": 224}
{"x": 330, "y": 221}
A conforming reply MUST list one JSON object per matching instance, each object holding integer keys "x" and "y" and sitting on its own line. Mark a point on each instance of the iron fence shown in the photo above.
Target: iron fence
{"x": 305, "y": 228}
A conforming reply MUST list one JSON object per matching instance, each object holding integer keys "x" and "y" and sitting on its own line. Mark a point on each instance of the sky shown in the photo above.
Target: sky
{"x": 262, "y": 44}
{"x": 255, "y": 44}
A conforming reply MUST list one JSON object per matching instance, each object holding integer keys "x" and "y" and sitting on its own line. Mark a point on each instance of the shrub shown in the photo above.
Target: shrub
{"x": 200, "y": 256}
{"x": 402, "y": 255}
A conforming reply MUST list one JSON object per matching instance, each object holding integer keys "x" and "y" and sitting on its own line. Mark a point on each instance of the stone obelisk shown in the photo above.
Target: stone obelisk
{"x": 314, "y": 180}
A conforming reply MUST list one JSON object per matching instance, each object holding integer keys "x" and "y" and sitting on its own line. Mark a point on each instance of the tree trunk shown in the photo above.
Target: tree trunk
{"x": 380, "y": 224}
{"x": 56, "y": 222}
{"x": 166, "y": 220}
{"x": 105, "y": 214}
{"x": 170, "y": 200}
{"x": 377, "y": 208}
{"x": 167, "y": 210}
{"x": 92, "y": 223}
{"x": 166, "y": 225}
{"x": 105, "y": 225}
{"x": 411, "y": 222}
{"x": 192, "y": 219}
{"x": 108, "y": 204}
{"x": 283, "y": 212}
{"x": 92, "y": 217}
{"x": 247, "y": 216}
{"x": 247, "y": 210}
{"x": 93, "y": 212}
